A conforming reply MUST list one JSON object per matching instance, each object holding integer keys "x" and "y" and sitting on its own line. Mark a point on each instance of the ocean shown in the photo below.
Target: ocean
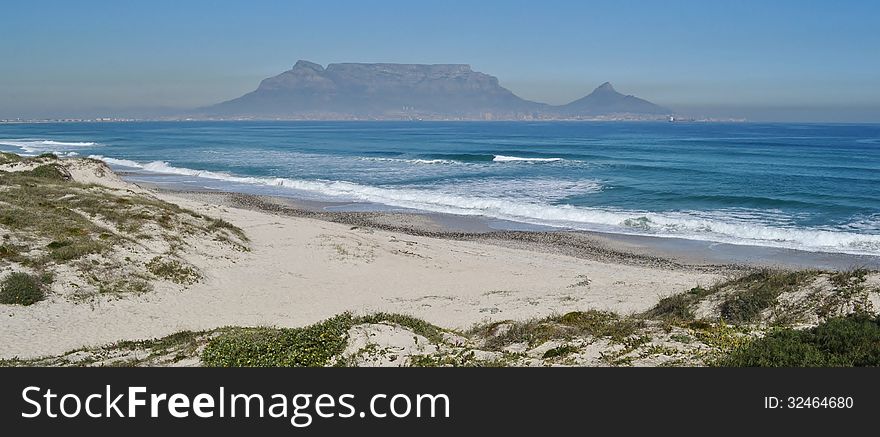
{"x": 812, "y": 187}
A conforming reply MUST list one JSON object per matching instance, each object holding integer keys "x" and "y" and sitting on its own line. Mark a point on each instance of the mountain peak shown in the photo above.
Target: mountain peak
{"x": 303, "y": 64}
{"x": 606, "y": 100}
{"x": 605, "y": 87}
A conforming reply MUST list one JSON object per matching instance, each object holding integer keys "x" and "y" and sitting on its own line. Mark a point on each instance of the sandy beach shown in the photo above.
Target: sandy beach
{"x": 102, "y": 271}
{"x": 302, "y": 268}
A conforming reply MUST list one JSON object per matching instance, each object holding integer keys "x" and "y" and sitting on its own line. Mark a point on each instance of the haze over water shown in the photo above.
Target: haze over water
{"x": 813, "y": 187}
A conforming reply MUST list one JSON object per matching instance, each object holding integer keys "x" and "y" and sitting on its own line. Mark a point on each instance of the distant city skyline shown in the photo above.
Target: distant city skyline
{"x": 764, "y": 61}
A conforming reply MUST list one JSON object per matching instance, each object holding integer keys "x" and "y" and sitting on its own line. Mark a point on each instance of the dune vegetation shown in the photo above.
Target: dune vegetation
{"x": 64, "y": 238}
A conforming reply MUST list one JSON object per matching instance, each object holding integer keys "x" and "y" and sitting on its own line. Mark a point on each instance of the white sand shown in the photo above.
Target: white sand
{"x": 300, "y": 271}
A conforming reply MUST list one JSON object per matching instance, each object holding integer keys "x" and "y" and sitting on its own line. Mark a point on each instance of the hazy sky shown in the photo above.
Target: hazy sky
{"x": 780, "y": 60}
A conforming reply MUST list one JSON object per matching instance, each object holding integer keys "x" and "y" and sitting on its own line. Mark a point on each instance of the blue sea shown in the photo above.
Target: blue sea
{"x": 813, "y": 187}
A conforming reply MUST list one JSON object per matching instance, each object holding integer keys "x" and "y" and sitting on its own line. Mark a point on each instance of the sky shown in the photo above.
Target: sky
{"x": 763, "y": 60}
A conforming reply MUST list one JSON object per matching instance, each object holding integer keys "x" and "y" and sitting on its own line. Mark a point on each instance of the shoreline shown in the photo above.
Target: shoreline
{"x": 658, "y": 251}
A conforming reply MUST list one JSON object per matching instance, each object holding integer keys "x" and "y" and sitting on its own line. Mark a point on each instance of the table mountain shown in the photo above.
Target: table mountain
{"x": 377, "y": 90}
{"x": 396, "y": 91}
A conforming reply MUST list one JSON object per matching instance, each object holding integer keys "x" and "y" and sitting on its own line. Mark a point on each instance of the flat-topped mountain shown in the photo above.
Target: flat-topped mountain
{"x": 399, "y": 91}
{"x": 377, "y": 90}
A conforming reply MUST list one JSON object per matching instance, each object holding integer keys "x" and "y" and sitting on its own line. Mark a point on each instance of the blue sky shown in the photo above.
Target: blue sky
{"x": 810, "y": 60}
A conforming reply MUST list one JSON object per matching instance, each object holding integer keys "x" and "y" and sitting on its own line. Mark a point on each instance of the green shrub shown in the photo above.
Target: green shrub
{"x": 312, "y": 346}
{"x": 844, "y": 341}
{"x": 560, "y": 351}
{"x": 21, "y": 289}
{"x": 48, "y": 171}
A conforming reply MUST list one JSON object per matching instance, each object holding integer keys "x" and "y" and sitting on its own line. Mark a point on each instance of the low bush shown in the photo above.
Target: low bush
{"x": 844, "y": 341}
{"x": 559, "y": 351}
{"x": 49, "y": 171}
{"x": 312, "y": 346}
{"x": 21, "y": 289}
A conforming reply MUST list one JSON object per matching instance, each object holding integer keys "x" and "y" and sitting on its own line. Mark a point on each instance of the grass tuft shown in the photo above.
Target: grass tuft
{"x": 21, "y": 289}
{"x": 758, "y": 291}
{"x": 216, "y": 224}
{"x": 560, "y": 351}
{"x": 581, "y": 323}
{"x": 70, "y": 250}
{"x": 678, "y": 307}
{"x": 173, "y": 270}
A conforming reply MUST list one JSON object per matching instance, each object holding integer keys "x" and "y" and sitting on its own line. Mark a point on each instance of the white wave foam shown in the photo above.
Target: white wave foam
{"x": 116, "y": 161}
{"x": 496, "y": 158}
{"x": 691, "y": 225}
{"x": 66, "y": 144}
{"x": 411, "y": 161}
{"x": 43, "y": 146}
{"x": 502, "y": 158}
{"x": 543, "y": 190}
{"x": 431, "y": 161}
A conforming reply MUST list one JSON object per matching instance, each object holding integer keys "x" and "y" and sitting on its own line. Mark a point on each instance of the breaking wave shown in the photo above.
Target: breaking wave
{"x": 718, "y": 226}
{"x": 502, "y": 158}
{"x": 411, "y": 161}
{"x": 464, "y": 158}
{"x": 44, "y": 146}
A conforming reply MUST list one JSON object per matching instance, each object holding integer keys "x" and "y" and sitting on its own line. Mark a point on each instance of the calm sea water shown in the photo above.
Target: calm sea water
{"x": 804, "y": 186}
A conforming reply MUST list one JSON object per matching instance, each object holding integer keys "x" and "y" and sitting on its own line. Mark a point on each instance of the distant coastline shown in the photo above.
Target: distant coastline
{"x": 440, "y": 119}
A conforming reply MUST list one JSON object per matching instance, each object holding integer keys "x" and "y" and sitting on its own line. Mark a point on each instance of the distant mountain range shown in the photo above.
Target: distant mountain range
{"x": 412, "y": 91}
